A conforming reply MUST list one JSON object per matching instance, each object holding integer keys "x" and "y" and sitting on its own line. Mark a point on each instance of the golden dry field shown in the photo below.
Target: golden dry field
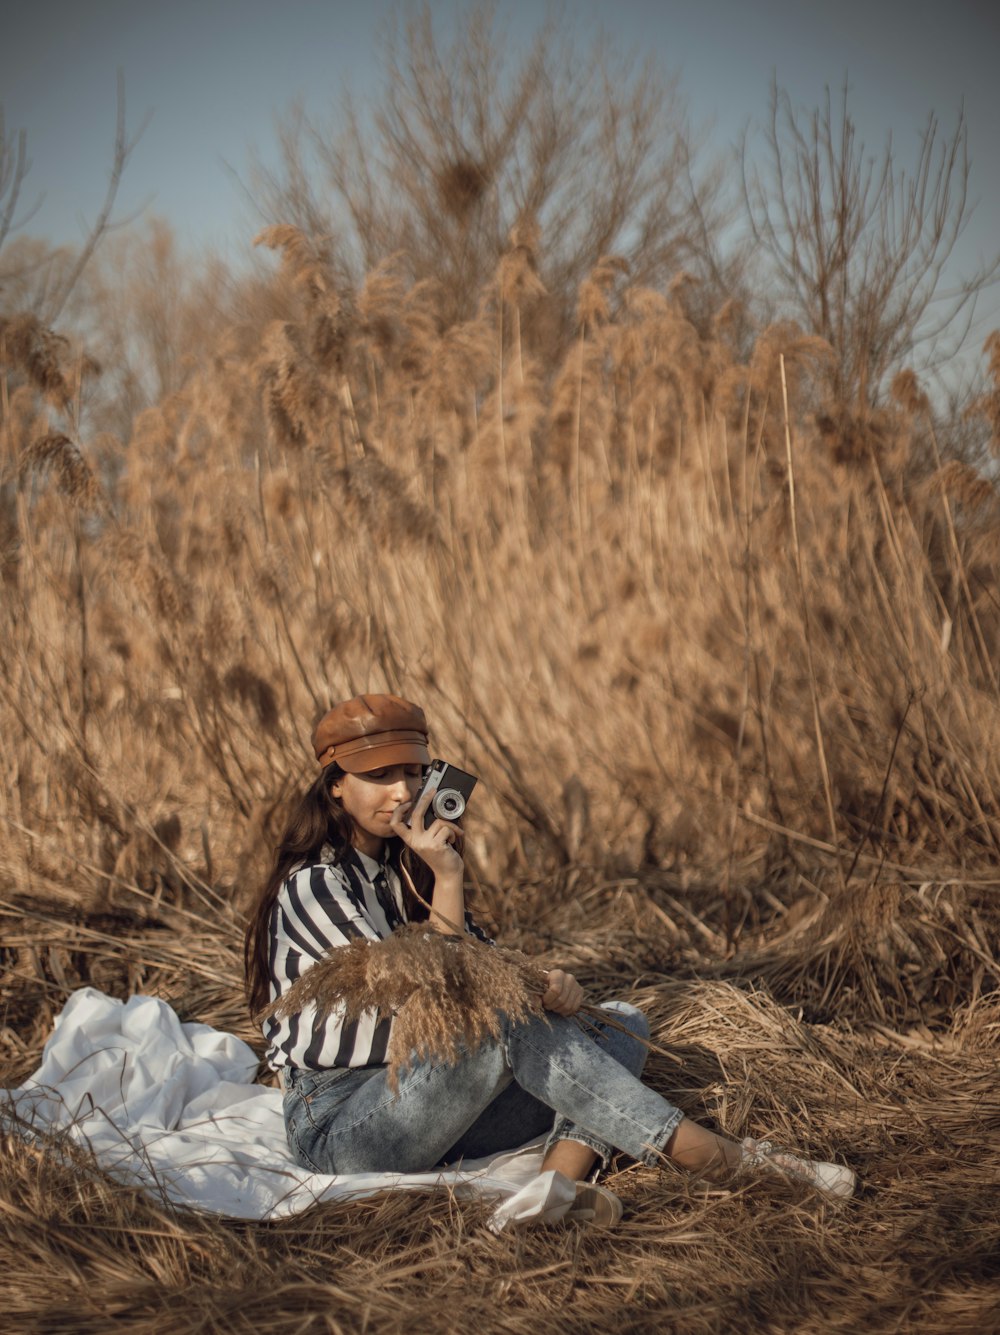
{"x": 723, "y": 650}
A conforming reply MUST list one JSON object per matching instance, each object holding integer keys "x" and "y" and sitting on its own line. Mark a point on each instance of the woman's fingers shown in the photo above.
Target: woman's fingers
{"x": 444, "y": 832}
{"x": 423, "y": 802}
{"x": 563, "y": 995}
{"x": 452, "y": 835}
{"x": 398, "y": 821}
{"x": 439, "y": 844}
{"x": 415, "y": 813}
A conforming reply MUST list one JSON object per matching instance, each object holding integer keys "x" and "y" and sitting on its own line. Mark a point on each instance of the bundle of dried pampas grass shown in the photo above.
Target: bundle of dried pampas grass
{"x": 447, "y": 993}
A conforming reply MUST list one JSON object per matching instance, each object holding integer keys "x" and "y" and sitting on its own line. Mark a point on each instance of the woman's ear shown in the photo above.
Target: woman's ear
{"x": 337, "y": 788}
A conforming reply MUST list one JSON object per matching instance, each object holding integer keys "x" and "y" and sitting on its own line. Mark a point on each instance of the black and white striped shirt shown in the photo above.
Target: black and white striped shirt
{"x": 318, "y": 908}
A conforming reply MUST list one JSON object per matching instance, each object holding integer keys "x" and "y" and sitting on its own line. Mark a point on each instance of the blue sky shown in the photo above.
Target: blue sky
{"x": 213, "y": 77}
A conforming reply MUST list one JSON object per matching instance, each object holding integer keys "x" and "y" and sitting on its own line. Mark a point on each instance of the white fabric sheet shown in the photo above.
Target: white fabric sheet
{"x": 173, "y": 1108}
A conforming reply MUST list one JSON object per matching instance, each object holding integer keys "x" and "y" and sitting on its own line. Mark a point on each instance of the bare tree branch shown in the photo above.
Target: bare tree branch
{"x": 14, "y": 164}
{"x": 122, "y": 149}
{"x": 859, "y": 246}
{"x": 463, "y": 142}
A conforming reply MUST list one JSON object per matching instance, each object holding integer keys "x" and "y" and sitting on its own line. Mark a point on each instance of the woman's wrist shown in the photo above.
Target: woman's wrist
{"x": 448, "y": 900}
{"x": 449, "y": 885}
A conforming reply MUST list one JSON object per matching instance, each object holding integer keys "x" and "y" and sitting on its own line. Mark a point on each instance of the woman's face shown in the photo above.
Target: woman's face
{"x": 371, "y": 798}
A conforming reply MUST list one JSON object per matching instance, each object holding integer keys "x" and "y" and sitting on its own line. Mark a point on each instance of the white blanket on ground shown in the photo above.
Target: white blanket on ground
{"x": 174, "y": 1108}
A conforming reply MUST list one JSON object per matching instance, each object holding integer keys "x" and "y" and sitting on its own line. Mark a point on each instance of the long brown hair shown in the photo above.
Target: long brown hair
{"x": 316, "y": 819}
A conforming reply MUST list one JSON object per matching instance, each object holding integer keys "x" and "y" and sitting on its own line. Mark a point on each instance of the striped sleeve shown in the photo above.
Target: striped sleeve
{"x": 473, "y": 928}
{"x": 322, "y": 912}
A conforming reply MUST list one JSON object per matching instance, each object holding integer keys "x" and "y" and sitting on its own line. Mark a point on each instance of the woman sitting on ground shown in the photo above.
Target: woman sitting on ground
{"x": 350, "y": 867}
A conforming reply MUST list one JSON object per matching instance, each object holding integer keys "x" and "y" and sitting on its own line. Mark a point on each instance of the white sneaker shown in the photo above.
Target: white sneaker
{"x": 552, "y": 1200}
{"x": 831, "y": 1178}
{"x": 595, "y": 1206}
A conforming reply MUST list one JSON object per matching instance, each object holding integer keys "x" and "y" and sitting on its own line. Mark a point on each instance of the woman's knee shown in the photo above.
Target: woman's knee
{"x": 633, "y": 1019}
{"x": 625, "y": 1040}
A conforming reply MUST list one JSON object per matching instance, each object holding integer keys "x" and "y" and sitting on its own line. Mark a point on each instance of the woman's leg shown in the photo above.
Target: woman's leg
{"x": 700, "y": 1151}
{"x": 343, "y": 1122}
{"x": 600, "y": 1101}
{"x": 515, "y": 1116}
{"x": 511, "y": 1119}
{"x": 570, "y": 1150}
{"x": 573, "y": 1150}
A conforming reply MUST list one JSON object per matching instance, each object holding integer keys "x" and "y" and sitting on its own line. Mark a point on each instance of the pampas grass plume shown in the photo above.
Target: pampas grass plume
{"x": 56, "y": 454}
{"x": 447, "y": 993}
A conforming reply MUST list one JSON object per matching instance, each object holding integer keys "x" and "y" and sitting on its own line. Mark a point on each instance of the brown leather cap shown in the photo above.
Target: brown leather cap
{"x": 371, "y": 731}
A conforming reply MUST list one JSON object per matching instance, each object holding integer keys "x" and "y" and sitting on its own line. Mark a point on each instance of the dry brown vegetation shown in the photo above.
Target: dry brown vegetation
{"x": 732, "y": 692}
{"x": 724, "y": 652}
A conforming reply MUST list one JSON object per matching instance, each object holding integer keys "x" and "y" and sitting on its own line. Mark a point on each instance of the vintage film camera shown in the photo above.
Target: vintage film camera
{"x": 451, "y": 787}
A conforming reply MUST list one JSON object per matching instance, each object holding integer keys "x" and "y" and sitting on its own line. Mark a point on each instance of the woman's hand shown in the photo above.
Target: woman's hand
{"x": 564, "y": 995}
{"x": 439, "y": 845}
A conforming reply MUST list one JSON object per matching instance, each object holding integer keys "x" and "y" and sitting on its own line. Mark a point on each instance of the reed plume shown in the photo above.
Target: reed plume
{"x": 447, "y": 994}
{"x": 28, "y": 345}
{"x": 56, "y": 454}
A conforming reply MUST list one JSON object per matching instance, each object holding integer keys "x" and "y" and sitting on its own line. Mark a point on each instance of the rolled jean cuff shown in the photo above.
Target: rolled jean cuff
{"x": 565, "y": 1130}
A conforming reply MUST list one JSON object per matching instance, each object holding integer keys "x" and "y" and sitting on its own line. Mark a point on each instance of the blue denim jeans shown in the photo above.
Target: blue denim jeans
{"x": 549, "y": 1074}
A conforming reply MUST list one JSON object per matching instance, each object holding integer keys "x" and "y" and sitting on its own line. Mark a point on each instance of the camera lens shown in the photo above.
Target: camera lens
{"x": 448, "y": 804}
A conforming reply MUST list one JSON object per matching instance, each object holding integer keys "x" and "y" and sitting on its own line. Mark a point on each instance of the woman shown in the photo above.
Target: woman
{"x": 344, "y": 871}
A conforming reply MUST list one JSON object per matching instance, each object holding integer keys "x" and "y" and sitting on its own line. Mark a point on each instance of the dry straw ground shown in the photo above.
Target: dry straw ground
{"x": 725, "y": 659}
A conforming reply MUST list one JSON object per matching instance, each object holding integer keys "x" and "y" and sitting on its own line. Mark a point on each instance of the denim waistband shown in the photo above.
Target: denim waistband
{"x": 288, "y": 1075}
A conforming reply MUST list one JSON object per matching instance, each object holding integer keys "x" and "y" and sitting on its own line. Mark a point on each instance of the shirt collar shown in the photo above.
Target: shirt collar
{"x": 371, "y": 867}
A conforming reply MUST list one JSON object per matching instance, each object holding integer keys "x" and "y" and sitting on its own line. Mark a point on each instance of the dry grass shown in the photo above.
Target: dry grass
{"x": 915, "y": 1250}
{"x": 748, "y": 784}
